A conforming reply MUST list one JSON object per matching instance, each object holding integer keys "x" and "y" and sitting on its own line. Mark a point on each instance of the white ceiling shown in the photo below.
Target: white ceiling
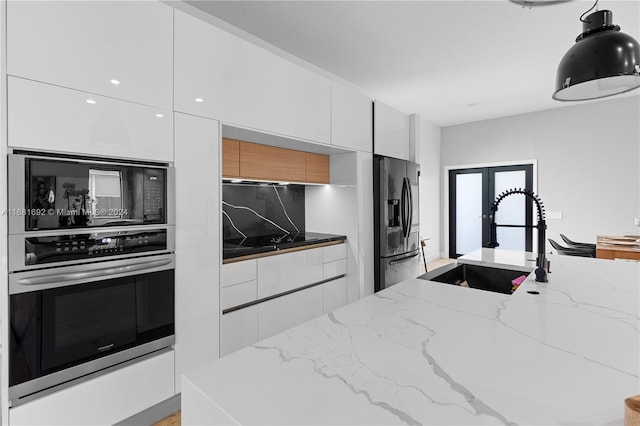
{"x": 449, "y": 61}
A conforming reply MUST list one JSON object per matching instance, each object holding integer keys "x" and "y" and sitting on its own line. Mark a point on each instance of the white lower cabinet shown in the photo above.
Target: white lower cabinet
{"x": 279, "y": 281}
{"x": 284, "y": 312}
{"x": 277, "y": 274}
{"x": 238, "y": 329}
{"x": 104, "y": 400}
{"x": 334, "y": 294}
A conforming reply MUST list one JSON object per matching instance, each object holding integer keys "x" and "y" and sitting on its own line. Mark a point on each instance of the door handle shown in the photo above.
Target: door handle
{"x": 403, "y": 208}
{"x": 404, "y": 259}
{"x": 101, "y": 272}
{"x": 410, "y": 192}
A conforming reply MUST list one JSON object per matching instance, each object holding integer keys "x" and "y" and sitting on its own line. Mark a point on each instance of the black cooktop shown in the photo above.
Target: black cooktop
{"x": 253, "y": 245}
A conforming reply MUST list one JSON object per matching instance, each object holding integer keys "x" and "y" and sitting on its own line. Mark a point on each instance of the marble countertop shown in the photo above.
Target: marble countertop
{"x": 422, "y": 352}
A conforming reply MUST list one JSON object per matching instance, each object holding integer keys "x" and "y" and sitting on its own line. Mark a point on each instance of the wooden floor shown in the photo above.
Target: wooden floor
{"x": 174, "y": 419}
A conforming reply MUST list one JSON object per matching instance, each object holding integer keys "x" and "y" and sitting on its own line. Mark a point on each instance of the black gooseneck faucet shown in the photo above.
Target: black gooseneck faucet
{"x": 542, "y": 265}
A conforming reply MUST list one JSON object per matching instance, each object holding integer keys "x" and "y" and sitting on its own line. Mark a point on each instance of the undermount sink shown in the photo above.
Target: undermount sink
{"x": 474, "y": 276}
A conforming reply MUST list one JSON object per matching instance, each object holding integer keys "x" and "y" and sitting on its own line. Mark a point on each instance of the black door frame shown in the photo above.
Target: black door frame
{"x": 488, "y": 185}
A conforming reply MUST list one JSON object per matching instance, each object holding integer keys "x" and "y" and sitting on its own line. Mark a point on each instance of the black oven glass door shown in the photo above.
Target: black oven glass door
{"x": 58, "y": 328}
{"x": 63, "y": 194}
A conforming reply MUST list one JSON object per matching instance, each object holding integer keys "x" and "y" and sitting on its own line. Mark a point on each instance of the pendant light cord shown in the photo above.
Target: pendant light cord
{"x": 592, "y": 7}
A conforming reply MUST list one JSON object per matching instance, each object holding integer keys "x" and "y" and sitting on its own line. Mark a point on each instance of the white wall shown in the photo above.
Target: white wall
{"x": 430, "y": 187}
{"x": 588, "y": 162}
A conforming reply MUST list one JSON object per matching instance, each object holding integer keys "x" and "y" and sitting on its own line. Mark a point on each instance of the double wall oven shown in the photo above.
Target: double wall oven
{"x": 91, "y": 268}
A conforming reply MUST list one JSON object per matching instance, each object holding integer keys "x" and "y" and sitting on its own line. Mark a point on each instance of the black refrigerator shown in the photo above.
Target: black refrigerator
{"x": 396, "y": 221}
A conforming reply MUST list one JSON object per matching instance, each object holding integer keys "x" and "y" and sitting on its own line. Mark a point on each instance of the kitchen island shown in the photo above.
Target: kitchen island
{"x": 422, "y": 352}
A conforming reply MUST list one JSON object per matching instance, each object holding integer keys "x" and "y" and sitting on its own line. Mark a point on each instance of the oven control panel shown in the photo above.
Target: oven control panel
{"x": 60, "y": 248}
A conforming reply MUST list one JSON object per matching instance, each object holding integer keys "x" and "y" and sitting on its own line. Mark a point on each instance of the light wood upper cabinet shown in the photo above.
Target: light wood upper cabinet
{"x": 119, "y": 49}
{"x": 271, "y": 163}
{"x": 252, "y": 161}
{"x": 317, "y": 168}
{"x": 240, "y": 83}
{"x": 230, "y": 158}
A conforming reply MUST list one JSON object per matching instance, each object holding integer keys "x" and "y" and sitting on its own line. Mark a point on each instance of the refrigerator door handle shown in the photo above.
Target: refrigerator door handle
{"x": 403, "y": 208}
{"x": 410, "y": 221}
{"x": 404, "y": 259}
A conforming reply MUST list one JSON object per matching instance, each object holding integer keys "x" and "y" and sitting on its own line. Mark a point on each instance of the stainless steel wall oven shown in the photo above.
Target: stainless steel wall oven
{"x": 91, "y": 269}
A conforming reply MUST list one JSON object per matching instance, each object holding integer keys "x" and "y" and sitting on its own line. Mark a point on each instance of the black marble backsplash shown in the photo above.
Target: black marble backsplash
{"x": 253, "y": 210}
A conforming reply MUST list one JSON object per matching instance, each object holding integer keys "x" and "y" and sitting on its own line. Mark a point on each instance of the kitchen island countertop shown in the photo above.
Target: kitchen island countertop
{"x": 422, "y": 352}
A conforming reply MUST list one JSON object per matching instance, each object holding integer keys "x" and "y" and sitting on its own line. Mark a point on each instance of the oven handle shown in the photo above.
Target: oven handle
{"x": 104, "y": 272}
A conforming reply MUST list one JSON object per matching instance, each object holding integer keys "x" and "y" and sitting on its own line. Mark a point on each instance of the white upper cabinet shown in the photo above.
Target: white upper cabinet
{"x": 351, "y": 117}
{"x": 221, "y": 76}
{"x": 120, "y": 49}
{"x": 391, "y": 132}
{"x": 52, "y": 118}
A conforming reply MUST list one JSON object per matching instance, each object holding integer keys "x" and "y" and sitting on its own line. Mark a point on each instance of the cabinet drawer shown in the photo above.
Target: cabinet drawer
{"x": 277, "y": 274}
{"x": 104, "y": 400}
{"x": 333, "y": 269}
{"x": 238, "y": 272}
{"x": 282, "y": 313}
{"x": 237, "y": 294}
{"x": 335, "y": 294}
{"x": 335, "y": 252}
{"x": 238, "y": 329}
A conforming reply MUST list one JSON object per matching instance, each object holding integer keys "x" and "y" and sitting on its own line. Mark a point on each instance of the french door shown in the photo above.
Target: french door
{"x": 471, "y": 194}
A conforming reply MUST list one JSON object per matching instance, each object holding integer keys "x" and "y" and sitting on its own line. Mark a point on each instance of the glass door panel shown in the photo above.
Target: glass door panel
{"x": 468, "y": 212}
{"x": 512, "y": 210}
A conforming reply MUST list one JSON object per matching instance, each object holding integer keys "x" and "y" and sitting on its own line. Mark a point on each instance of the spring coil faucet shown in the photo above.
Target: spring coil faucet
{"x": 542, "y": 265}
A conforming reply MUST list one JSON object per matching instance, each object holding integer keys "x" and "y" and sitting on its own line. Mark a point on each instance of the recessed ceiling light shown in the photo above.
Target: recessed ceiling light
{"x": 283, "y": 183}
{"x": 115, "y": 82}
{"x": 159, "y": 115}
{"x": 236, "y": 180}
{"x": 90, "y": 101}
{"x": 199, "y": 100}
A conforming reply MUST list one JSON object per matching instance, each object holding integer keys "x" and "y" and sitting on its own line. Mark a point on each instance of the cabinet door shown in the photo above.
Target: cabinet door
{"x": 271, "y": 163}
{"x": 351, "y": 118}
{"x": 238, "y": 329}
{"x": 52, "y": 118}
{"x": 86, "y": 44}
{"x": 197, "y": 248}
{"x": 221, "y": 76}
{"x": 317, "y": 168}
{"x": 278, "y": 274}
{"x": 334, "y": 294}
{"x": 282, "y": 313}
{"x": 230, "y": 158}
{"x": 391, "y": 132}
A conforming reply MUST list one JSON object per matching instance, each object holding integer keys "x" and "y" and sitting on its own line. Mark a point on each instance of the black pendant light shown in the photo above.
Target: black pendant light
{"x": 603, "y": 62}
